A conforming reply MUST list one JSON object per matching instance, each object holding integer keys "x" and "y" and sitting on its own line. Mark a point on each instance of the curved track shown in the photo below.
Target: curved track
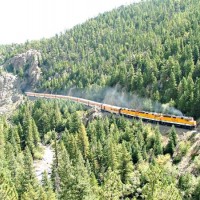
{"x": 178, "y": 121}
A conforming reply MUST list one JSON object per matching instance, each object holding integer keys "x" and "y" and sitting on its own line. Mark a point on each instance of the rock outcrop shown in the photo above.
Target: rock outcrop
{"x": 93, "y": 113}
{"x": 10, "y": 95}
{"x": 26, "y": 65}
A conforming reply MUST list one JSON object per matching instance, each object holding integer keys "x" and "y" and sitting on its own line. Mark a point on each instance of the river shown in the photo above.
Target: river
{"x": 44, "y": 164}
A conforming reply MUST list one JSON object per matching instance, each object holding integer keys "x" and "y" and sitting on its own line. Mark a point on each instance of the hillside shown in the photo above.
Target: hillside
{"x": 145, "y": 56}
{"x": 105, "y": 157}
{"x": 150, "y": 49}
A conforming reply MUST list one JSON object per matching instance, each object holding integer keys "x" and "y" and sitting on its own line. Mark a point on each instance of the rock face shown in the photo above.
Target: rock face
{"x": 26, "y": 65}
{"x": 93, "y": 113}
{"x": 10, "y": 95}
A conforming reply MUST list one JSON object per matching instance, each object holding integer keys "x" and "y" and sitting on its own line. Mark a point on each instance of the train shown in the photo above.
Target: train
{"x": 164, "y": 119}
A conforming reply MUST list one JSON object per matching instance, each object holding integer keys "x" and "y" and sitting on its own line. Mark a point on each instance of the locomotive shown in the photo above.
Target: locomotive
{"x": 165, "y": 119}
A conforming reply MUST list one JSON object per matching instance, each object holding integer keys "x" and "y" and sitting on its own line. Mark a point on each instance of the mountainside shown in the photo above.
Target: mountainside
{"x": 137, "y": 56}
{"x": 95, "y": 157}
{"x": 149, "y": 48}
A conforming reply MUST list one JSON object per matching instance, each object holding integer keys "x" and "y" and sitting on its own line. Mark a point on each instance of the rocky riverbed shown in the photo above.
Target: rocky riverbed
{"x": 45, "y": 163}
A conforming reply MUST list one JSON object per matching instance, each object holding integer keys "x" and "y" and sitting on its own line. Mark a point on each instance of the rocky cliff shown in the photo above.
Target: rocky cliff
{"x": 25, "y": 73}
{"x": 26, "y": 65}
{"x": 10, "y": 93}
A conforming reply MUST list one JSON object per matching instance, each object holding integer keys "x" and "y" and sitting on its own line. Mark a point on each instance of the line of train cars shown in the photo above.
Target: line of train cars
{"x": 179, "y": 121}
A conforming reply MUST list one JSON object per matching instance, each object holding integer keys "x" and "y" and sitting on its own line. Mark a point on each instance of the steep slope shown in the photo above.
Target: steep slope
{"x": 149, "y": 48}
{"x": 10, "y": 95}
{"x": 188, "y": 151}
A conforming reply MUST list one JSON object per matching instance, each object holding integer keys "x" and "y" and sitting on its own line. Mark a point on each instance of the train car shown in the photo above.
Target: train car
{"x": 185, "y": 122}
{"x": 110, "y": 108}
{"x": 94, "y": 103}
{"x": 161, "y": 118}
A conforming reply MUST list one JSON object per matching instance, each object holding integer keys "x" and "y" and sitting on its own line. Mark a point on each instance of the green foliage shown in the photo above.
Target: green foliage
{"x": 159, "y": 185}
{"x": 196, "y": 194}
{"x": 112, "y": 187}
{"x": 125, "y": 166}
{"x": 108, "y": 158}
{"x": 172, "y": 141}
{"x": 157, "y": 144}
{"x": 150, "y": 48}
{"x": 7, "y": 190}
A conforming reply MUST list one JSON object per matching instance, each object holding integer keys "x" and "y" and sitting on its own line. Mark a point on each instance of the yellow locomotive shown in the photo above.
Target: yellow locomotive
{"x": 185, "y": 122}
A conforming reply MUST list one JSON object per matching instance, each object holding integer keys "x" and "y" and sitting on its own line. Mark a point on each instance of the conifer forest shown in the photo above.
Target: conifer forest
{"x": 149, "y": 49}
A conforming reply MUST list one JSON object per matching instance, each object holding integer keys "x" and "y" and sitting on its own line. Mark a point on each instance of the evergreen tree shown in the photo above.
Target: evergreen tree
{"x": 36, "y": 136}
{"x": 75, "y": 123}
{"x": 112, "y": 186}
{"x": 170, "y": 146}
{"x": 136, "y": 152}
{"x": 27, "y": 128}
{"x": 158, "y": 185}
{"x": 83, "y": 141}
{"x": 30, "y": 193}
{"x": 174, "y": 136}
{"x": 56, "y": 118}
{"x": 125, "y": 165}
{"x": 47, "y": 186}
{"x": 29, "y": 181}
{"x": 111, "y": 153}
{"x": 157, "y": 144}
{"x": 172, "y": 141}
{"x": 7, "y": 189}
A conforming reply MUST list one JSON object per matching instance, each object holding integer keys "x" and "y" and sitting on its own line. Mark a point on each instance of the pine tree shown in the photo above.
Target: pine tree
{"x": 30, "y": 193}
{"x": 174, "y": 135}
{"x": 56, "y": 118}
{"x": 196, "y": 54}
{"x": 83, "y": 141}
{"x": 36, "y": 136}
{"x": 111, "y": 155}
{"x": 29, "y": 180}
{"x": 47, "y": 186}
{"x": 14, "y": 139}
{"x": 75, "y": 123}
{"x": 67, "y": 179}
{"x": 136, "y": 152}
{"x": 27, "y": 129}
{"x": 7, "y": 189}
{"x": 158, "y": 149}
{"x": 54, "y": 173}
{"x": 74, "y": 180}
{"x": 158, "y": 185}
{"x": 11, "y": 159}
{"x": 21, "y": 134}
{"x": 172, "y": 141}
{"x": 82, "y": 185}
{"x": 125, "y": 166}
{"x": 112, "y": 186}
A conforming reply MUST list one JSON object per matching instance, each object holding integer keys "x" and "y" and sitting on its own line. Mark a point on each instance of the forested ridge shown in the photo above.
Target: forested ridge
{"x": 149, "y": 48}
{"x": 106, "y": 158}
